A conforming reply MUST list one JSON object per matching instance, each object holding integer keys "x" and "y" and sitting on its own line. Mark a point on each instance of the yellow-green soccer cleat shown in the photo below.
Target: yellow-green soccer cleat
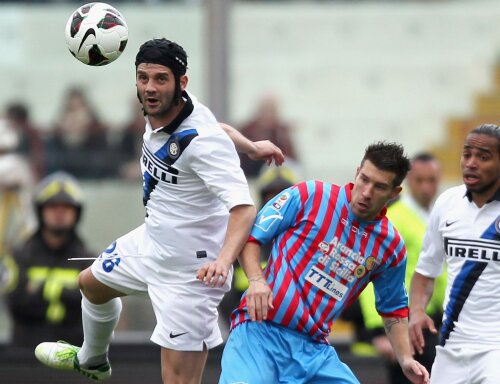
{"x": 62, "y": 355}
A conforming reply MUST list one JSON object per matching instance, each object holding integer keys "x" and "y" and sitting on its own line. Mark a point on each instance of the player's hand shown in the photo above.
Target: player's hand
{"x": 415, "y": 372}
{"x": 214, "y": 273}
{"x": 259, "y": 298}
{"x": 418, "y": 321}
{"x": 266, "y": 150}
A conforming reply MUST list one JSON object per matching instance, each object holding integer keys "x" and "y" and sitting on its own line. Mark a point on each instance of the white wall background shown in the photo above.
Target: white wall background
{"x": 346, "y": 74}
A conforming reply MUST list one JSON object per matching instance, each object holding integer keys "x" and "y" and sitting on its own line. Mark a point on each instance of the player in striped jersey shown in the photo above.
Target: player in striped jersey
{"x": 329, "y": 241}
{"x": 464, "y": 233}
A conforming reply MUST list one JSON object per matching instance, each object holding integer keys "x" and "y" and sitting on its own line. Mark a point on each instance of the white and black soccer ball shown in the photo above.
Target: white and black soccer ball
{"x": 96, "y": 34}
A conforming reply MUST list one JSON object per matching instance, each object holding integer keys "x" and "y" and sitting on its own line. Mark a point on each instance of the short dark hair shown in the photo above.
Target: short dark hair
{"x": 165, "y": 52}
{"x": 388, "y": 157}
{"x": 488, "y": 130}
{"x": 424, "y": 157}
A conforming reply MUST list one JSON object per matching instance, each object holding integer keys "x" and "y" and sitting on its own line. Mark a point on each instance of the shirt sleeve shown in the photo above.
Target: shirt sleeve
{"x": 391, "y": 297}
{"x": 215, "y": 161}
{"x": 278, "y": 215}
{"x": 432, "y": 257}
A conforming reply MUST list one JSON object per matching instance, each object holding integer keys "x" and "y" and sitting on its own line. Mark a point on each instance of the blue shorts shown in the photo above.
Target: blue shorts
{"x": 263, "y": 353}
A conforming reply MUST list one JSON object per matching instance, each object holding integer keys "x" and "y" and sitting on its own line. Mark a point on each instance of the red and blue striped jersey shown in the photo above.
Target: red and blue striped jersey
{"x": 323, "y": 256}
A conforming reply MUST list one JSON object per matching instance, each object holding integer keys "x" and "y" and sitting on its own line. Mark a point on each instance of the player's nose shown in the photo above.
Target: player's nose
{"x": 150, "y": 87}
{"x": 367, "y": 192}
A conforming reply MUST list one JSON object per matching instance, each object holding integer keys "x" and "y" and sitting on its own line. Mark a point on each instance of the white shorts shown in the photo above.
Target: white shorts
{"x": 185, "y": 308}
{"x": 466, "y": 366}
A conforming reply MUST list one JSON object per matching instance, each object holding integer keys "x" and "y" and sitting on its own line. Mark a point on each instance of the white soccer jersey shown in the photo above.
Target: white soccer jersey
{"x": 191, "y": 179}
{"x": 467, "y": 238}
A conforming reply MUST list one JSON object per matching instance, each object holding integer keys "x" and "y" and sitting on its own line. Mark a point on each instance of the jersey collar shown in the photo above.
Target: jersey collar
{"x": 496, "y": 196}
{"x": 183, "y": 114}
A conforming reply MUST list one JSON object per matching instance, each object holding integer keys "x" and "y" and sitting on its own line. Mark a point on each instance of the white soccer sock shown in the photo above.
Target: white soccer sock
{"x": 99, "y": 322}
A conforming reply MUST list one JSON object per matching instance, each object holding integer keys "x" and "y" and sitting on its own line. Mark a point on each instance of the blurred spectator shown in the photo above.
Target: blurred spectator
{"x": 409, "y": 214}
{"x": 16, "y": 215}
{"x": 266, "y": 125}
{"x": 45, "y": 300}
{"x": 274, "y": 180}
{"x": 130, "y": 143}
{"x": 16, "y": 183}
{"x": 31, "y": 144}
{"x": 79, "y": 141}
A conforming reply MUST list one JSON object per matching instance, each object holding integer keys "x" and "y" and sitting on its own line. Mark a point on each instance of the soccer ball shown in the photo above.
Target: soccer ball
{"x": 96, "y": 34}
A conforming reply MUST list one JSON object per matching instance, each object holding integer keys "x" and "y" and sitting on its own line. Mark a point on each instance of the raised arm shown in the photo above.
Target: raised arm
{"x": 256, "y": 150}
{"x": 396, "y": 330}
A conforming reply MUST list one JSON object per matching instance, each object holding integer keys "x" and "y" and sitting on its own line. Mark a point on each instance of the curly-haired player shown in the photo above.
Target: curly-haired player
{"x": 198, "y": 216}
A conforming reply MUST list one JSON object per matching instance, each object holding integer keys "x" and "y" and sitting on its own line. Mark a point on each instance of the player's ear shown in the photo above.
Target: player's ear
{"x": 357, "y": 172}
{"x": 183, "y": 82}
{"x": 395, "y": 192}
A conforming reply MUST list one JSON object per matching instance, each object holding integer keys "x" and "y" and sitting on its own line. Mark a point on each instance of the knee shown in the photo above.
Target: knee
{"x": 83, "y": 284}
{"x": 95, "y": 291}
{"x": 82, "y": 280}
{"x": 87, "y": 287}
{"x": 171, "y": 376}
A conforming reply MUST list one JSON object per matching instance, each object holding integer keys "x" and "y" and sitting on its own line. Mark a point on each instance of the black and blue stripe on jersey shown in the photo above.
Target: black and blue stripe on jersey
{"x": 159, "y": 166}
{"x": 493, "y": 231}
{"x": 463, "y": 284}
{"x": 162, "y": 157}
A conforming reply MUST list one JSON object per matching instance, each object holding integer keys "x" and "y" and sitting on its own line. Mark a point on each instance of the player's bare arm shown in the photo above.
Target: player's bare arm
{"x": 396, "y": 330}
{"x": 258, "y": 150}
{"x": 259, "y": 295}
{"x": 421, "y": 290}
{"x": 241, "y": 218}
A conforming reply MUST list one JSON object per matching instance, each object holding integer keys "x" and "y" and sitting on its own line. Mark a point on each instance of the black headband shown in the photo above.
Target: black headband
{"x": 163, "y": 52}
